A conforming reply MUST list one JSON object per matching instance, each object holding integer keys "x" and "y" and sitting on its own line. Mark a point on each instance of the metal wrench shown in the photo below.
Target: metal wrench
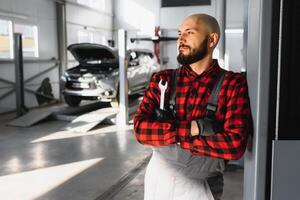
{"x": 162, "y": 93}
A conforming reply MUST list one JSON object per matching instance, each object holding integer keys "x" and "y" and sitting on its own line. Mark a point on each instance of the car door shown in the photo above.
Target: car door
{"x": 137, "y": 71}
{"x": 152, "y": 66}
{"x": 144, "y": 68}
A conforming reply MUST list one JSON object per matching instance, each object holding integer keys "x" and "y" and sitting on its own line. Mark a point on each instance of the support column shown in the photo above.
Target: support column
{"x": 61, "y": 38}
{"x": 19, "y": 75}
{"x": 122, "y": 118}
{"x": 258, "y": 64}
{"x": 221, "y": 17}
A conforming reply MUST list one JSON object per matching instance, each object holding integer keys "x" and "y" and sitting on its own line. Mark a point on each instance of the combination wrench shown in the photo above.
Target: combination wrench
{"x": 162, "y": 93}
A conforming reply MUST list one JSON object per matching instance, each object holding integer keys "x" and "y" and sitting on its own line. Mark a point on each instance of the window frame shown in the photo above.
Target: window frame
{"x": 35, "y": 39}
{"x": 12, "y": 24}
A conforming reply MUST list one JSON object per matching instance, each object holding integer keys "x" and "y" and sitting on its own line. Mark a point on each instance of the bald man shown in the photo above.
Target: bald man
{"x": 203, "y": 122}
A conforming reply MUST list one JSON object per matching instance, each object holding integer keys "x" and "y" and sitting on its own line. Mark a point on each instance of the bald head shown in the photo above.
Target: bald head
{"x": 198, "y": 35}
{"x": 210, "y": 23}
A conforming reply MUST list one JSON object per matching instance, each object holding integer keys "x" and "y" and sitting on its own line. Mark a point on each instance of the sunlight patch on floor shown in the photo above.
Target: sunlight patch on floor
{"x": 69, "y": 134}
{"x": 32, "y": 184}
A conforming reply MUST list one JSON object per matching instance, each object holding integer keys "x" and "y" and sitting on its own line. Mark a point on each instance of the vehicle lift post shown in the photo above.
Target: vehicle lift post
{"x": 122, "y": 117}
{"x": 19, "y": 86}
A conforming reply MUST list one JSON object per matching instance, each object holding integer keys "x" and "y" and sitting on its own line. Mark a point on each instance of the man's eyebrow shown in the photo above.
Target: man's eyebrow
{"x": 188, "y": 29}
{"x": 191, "y": 29}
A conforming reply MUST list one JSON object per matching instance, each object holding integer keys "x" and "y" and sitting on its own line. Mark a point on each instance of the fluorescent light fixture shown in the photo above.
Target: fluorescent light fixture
{"x": 232, "y": 31}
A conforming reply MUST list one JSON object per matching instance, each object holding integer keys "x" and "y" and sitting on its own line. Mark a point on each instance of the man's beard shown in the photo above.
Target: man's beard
{"x": 194, "y": 55}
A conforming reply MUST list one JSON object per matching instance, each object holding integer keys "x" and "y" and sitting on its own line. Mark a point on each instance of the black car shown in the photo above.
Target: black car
{"x": 97, "y": 75}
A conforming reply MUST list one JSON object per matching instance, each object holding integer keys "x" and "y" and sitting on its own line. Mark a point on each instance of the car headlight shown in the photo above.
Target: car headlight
{"x": 115, "y": 73}
{"x": 63, "y": 79}
{"x": 67, "y": 76}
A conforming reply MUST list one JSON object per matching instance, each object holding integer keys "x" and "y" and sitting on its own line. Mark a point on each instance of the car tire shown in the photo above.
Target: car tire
{"x": 72, "y": 101}
{"x": 115, "y": 101}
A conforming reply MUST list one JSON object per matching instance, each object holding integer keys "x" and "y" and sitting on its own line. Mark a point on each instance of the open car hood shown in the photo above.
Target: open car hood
{"x": 87, "y": 52}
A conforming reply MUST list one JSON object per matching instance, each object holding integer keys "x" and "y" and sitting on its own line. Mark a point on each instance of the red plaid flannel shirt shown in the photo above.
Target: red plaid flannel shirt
{"x": 192, "y": 95}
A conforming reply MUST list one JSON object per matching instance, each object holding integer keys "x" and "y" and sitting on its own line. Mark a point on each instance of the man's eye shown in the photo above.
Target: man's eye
{"x": 190, "y": 32}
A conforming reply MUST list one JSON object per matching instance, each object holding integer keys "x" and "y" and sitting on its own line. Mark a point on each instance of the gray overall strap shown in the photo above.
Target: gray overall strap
{"x": 173, "y": 89}
{"x": 213, "y": 100}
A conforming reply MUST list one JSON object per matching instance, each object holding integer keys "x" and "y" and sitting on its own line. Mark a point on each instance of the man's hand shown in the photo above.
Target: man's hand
{"x": 194, "y": 128}
{"x": 163, "y": 115}
{"x": 207, "y": 126}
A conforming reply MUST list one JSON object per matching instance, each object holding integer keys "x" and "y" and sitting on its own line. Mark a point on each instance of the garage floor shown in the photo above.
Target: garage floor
{"x": 46, "y": 161}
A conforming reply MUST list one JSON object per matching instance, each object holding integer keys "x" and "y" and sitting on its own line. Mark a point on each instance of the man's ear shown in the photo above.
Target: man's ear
{"x": 213, "y": 40}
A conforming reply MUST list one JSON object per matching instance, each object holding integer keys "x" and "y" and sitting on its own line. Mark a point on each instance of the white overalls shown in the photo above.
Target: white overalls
{"x": 175, "y": 174}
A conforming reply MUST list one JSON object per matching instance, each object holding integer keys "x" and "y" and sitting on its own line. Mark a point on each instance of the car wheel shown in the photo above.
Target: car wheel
{"x": 115, "y": 101}
{"x": 72, "y": 101}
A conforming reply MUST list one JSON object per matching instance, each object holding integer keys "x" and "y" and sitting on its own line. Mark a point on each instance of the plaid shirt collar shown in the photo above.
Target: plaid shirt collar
{"x": 212, "y": 70}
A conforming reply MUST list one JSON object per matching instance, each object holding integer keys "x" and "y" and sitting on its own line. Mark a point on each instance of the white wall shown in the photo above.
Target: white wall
{"x": 139, "y": 19}
{"x": 234, "y": 37}
{"x": 41, "y": 13}
{"x": 235, "y": 13}
{"x": 82, "y": 18}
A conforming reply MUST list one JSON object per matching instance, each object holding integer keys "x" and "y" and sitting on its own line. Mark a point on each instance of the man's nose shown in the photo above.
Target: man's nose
{"x": 181, "y": 38}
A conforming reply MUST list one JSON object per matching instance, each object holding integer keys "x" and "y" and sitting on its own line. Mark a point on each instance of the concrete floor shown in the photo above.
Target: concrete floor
{"x": 46, "y": 161}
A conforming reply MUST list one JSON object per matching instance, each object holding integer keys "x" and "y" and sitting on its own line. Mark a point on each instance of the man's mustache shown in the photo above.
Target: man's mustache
{"x": 184, "y": 46}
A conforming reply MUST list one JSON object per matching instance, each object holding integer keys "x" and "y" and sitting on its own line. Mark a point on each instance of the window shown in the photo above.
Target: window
{"x": 100, "y": 39}
{"x": 91, "y": 37}
{"x": 6, "y": 41}
{"x": 96, "y": 4}
{"x": 85, "y": 36}
{"x": 29, "y": 39}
